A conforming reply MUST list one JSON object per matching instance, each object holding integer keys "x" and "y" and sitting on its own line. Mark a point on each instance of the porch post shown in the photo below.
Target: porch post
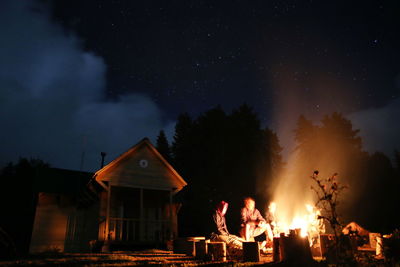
{"x": 141, "y": 221}
{"x": 171, "y": 216}
{"x": 108, "y": 212}
{"x": 106, "y": 245}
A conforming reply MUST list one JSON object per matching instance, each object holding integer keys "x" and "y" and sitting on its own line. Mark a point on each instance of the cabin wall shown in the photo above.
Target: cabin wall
{"x": 60, "y": 227}
{"x": 171, "y": 213}
{"x": 50, "y": 224}
{"x": 82, "y": 229}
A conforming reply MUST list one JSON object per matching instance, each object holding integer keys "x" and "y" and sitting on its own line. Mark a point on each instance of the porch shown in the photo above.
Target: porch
{"x": 137, "y": 231}
{"x": 137, "y": 216}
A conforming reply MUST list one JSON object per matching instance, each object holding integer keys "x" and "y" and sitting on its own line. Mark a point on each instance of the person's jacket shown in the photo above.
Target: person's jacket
{"x": 220, "y": 224}
{"x": 248, "y": 216}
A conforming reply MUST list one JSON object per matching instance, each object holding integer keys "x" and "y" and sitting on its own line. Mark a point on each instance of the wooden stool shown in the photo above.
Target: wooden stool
{"x": 276, "y": 250}
{"x": 200, "y": 249}
{"x": 294, "y": 248}
{"x": 251, "y": 251}
{"x": 184, "y": 246}
{"x": 217, "y": 251}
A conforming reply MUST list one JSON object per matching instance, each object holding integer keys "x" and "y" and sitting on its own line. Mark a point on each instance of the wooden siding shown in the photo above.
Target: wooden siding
{"x": 50, "y": 224}
{"x": 60, "y": 227}
{"x": 127, "y": 171}
{"x": 81, "y": 229}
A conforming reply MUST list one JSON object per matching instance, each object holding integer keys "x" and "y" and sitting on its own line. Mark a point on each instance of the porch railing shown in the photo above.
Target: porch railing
{"x": 136, "y": 230}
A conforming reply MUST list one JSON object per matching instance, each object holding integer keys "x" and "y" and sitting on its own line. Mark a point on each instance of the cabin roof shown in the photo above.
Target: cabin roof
{"x": 55, "y": 180}
{"x": 144, "y": 142}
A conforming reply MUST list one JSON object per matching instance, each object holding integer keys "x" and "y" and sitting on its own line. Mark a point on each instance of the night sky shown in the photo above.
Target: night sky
{"x": 92, "y": 76}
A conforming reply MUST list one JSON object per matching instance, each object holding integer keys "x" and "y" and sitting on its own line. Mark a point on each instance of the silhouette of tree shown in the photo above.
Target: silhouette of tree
{"x": 18, "y": 200}
{"x": 397, "y": 160}
{"x": 380, "y": 192}
{"x": 305, "y": 132}
{"x": 222, "y": 157}
{"x": 333, "y": 143}
{"x": 182, "y": 146}
{"x": 270, "y": 163}
{"x": 162, "y": 146}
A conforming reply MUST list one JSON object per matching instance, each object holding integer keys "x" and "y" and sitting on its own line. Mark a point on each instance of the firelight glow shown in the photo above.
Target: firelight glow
{"x": 305, "y": 220}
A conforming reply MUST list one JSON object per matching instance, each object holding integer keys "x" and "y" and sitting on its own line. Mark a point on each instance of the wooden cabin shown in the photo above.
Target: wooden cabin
{"x": 127, "y": 202}
{"x": 136, "y": 205}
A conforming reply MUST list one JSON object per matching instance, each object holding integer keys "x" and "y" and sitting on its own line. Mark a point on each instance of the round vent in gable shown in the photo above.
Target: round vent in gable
{"x": 143, "y": 163}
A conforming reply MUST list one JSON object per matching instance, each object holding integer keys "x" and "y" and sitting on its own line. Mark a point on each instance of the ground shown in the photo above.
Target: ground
{"x": 124, "y": 258}
{"x": 157, "y": 257}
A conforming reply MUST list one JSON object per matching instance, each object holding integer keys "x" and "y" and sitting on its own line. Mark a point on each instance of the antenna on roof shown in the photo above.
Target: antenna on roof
{"x": 103, "y": 155}
{"x": 83, "y": 152}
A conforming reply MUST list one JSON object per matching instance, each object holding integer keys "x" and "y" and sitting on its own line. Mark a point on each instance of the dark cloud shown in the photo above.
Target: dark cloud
{"x": 51, "y": 93}
{"x": 379, "y": 127}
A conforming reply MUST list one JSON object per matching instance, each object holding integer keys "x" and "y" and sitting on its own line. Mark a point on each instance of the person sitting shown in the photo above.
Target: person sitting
{"x": 353, "y": 228}
{"x": 270, "y": 217}
{"x": 359, "y": 233}
{"x": 315, "y": 225}
{"x": 252, "y": 223}
{"x": 221, "y": 232}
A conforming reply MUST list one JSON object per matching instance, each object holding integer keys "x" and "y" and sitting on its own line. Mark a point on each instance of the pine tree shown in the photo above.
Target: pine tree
{"x": 222, "y": 157}
{"x": 163, "y": 146}
{"x": 397, "y": 160}
{"x": 18, "y": 201}
{"x": 182, "y": 145}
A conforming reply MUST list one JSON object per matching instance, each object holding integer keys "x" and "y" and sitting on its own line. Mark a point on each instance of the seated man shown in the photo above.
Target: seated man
{"x": 252, "y": 223}
{"x": 221, "y": 232}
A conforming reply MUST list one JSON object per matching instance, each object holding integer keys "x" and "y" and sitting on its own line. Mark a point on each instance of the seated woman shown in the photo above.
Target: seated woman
{"x": 270, "y": 217}
{"x": 221, "y": 232}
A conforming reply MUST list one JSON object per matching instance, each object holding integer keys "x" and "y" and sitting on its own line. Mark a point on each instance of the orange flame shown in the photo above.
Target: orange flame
{"x": 306, "y": 220}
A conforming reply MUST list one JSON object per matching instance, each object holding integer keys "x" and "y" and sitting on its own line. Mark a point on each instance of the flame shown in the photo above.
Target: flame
{"x": 306, "y": 220}
{"x": 300, "y": 223}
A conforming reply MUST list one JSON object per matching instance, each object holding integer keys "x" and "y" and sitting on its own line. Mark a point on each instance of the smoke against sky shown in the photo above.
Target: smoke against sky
{"x": 380, "y": 129}
{"x": 378, "y": 125}
{"x": 51, "y": 103}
